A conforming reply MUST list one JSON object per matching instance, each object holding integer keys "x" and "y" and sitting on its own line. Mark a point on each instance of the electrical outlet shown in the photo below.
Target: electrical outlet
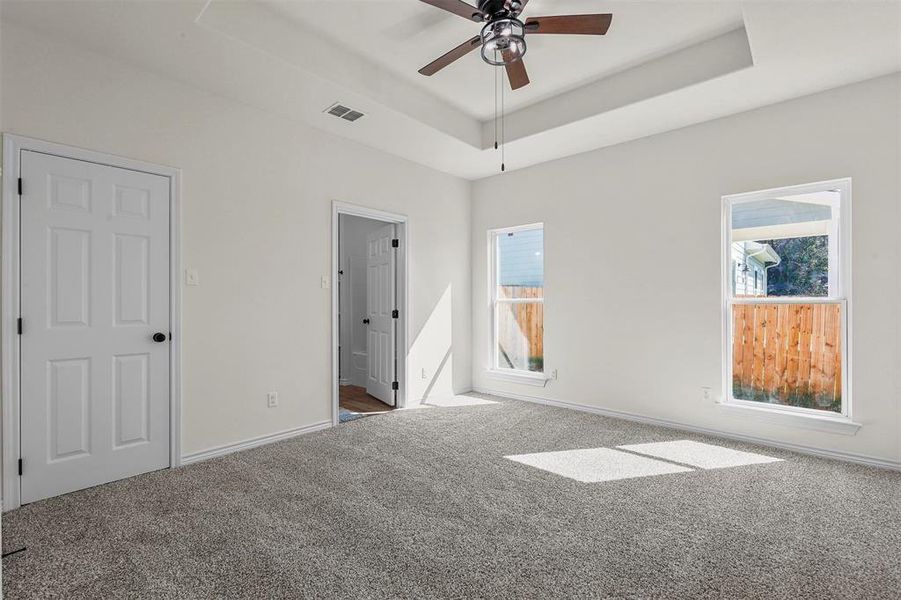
{"x": 706, "y": 394}
{"x": 324, "y": 282}
{"x": 191, "y": 277}
{"x": 554, "y": 374}
{"x": 272, "y": 399}
{"x": 425, "y": 374}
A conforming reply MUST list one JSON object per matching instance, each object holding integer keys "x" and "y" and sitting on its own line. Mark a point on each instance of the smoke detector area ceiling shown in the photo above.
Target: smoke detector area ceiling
{"x": 660, "y": 65}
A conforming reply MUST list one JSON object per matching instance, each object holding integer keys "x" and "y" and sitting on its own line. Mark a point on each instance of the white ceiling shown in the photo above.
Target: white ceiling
{"x": 662, "y": 66}
{"x": 401, "y": 36}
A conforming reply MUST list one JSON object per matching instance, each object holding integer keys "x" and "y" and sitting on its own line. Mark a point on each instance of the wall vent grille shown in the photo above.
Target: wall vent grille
{"x": 343, "y": 112}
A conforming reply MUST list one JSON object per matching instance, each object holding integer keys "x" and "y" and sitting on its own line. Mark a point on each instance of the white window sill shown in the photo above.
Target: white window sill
{"x": 770, "y": 414}
{"x": 524, "y": 377}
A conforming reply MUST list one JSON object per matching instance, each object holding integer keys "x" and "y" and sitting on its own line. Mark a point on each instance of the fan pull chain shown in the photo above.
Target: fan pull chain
{"x": 503, "y": 126}
{"x": 499, "y": 113}
{"x": 495, "y": 103}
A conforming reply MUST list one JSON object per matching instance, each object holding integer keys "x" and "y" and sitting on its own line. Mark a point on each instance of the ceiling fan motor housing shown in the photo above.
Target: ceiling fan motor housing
{"x": 498, "y": 9}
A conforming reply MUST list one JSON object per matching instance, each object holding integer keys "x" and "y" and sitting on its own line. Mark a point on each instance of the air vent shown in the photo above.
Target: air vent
{"x": 339, "y": 110}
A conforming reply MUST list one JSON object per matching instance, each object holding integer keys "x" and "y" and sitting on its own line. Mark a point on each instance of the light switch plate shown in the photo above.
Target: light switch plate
{"x": 325, "y": 282}
{"x": 192, "y": 277}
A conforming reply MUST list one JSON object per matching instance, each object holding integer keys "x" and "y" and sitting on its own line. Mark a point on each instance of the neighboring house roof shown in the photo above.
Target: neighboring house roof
{"x": 778, "y": 219}
{"x": 761, "y": 252}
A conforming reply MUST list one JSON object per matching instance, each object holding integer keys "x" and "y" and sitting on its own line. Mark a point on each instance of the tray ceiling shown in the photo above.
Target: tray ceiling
{"x": 664, "y": 65}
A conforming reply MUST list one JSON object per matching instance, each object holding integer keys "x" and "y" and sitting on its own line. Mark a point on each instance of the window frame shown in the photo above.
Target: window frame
{"x": 515, "y": 375}
{"x": 839, "y": 292}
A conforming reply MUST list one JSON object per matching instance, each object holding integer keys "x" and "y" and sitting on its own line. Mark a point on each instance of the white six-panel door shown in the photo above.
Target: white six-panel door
{"x": 380, "y": 302}
{"x": 94, "y": 291}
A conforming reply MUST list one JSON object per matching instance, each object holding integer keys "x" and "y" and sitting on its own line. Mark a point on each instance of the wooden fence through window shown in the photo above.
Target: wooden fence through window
{"x": 788, "y": 354}
{"x": 529, "y": 317}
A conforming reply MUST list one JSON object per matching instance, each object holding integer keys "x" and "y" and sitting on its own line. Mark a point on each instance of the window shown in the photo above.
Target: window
{"x": 517, "y": 299}
{"x": 786, "y": 298}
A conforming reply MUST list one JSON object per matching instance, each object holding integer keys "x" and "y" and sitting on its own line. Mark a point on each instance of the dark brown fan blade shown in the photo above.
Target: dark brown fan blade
{"x": 516, "y": 72}
{"x": 575, "y": 24}
{"x": 446, "y": 59}
{"x": 458, "y": 7}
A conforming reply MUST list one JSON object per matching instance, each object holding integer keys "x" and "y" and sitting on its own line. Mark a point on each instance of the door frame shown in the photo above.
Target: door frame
{"x": 402, "y": 342}
{"x": 10, "y": 350}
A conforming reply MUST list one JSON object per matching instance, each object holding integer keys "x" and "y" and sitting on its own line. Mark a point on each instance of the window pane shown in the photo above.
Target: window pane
{"x": 786, "y": 246}
{"x": 520, "y": 264}
{"x": 788, "y": 354}
{"x": 520, "y": 336}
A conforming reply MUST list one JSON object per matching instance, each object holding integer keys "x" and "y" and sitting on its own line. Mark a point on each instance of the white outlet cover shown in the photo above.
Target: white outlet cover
{"x": 325, "y": 282}
{"x": 192, "y": 277}
{"x": 272, "y": 399}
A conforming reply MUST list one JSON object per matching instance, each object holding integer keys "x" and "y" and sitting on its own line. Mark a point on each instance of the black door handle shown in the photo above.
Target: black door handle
{"x": 365, "y": 321}
{"x": 159, "y": 337}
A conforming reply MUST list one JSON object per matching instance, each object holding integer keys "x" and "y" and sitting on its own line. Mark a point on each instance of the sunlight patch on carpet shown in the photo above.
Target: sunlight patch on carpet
{"x": 455, "y": 401}
{"x": 593, "y": 465}
{"x": 696, "y": 454}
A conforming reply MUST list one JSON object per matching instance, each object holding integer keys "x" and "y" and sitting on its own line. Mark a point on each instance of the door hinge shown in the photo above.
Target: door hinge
{"x": 395, "y": 243}
{"x": 19, "y": 325}
{"x": 20, "y": 466}
{"x": 395, "y": 314}
{"x": 20, "y": 186}
{"x": 395, "y": 385}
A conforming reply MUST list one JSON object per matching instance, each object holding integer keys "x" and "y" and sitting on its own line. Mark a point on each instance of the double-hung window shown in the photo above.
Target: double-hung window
{"x": 517, "y": 300}
{"x": 786, "y": 273}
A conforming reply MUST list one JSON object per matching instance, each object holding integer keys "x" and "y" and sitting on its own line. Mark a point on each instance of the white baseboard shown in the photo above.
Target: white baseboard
{"x": 619, "y": 414}
{"x": 253, "y": 442}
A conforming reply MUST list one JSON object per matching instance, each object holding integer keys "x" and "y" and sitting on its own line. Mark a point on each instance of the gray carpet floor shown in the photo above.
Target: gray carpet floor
{"x": 421, "y": 504}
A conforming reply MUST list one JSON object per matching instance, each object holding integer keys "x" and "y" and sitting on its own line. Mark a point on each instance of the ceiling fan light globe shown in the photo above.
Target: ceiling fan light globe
{"x": 503, "y": 42}
{"x": 496, "y": 56}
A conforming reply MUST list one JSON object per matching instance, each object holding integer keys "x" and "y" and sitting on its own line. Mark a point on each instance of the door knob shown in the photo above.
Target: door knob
{"x": 159, "y": 337}
{"x": 365, "y": 321}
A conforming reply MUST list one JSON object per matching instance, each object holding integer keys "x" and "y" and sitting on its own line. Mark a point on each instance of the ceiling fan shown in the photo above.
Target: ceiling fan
{"x": 502, "y": 38}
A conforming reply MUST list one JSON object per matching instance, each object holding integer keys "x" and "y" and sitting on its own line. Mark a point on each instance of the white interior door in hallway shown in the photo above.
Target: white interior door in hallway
{"x": 95, "y": 304}
{"x": 381, "y": 303}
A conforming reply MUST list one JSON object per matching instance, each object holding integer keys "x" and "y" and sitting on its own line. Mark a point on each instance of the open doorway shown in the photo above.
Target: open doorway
{"x": 368, "y": 312}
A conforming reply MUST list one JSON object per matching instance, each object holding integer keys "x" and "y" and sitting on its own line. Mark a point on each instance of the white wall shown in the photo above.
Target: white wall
{"x": 628, "y": 333}
{"x": 353, "y": 232}
{"x": 256, "y": 223}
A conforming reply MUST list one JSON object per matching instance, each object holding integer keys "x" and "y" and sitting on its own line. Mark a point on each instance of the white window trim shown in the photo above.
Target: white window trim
{"x": 789, "y": 416}
{"x": 518, "y": 376}
{"x": 492, "y": 370}
{"x": 839, "y": 293}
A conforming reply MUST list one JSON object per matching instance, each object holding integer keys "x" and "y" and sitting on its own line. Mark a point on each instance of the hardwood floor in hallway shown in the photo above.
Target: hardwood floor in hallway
{"x": 354, "y": 398}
